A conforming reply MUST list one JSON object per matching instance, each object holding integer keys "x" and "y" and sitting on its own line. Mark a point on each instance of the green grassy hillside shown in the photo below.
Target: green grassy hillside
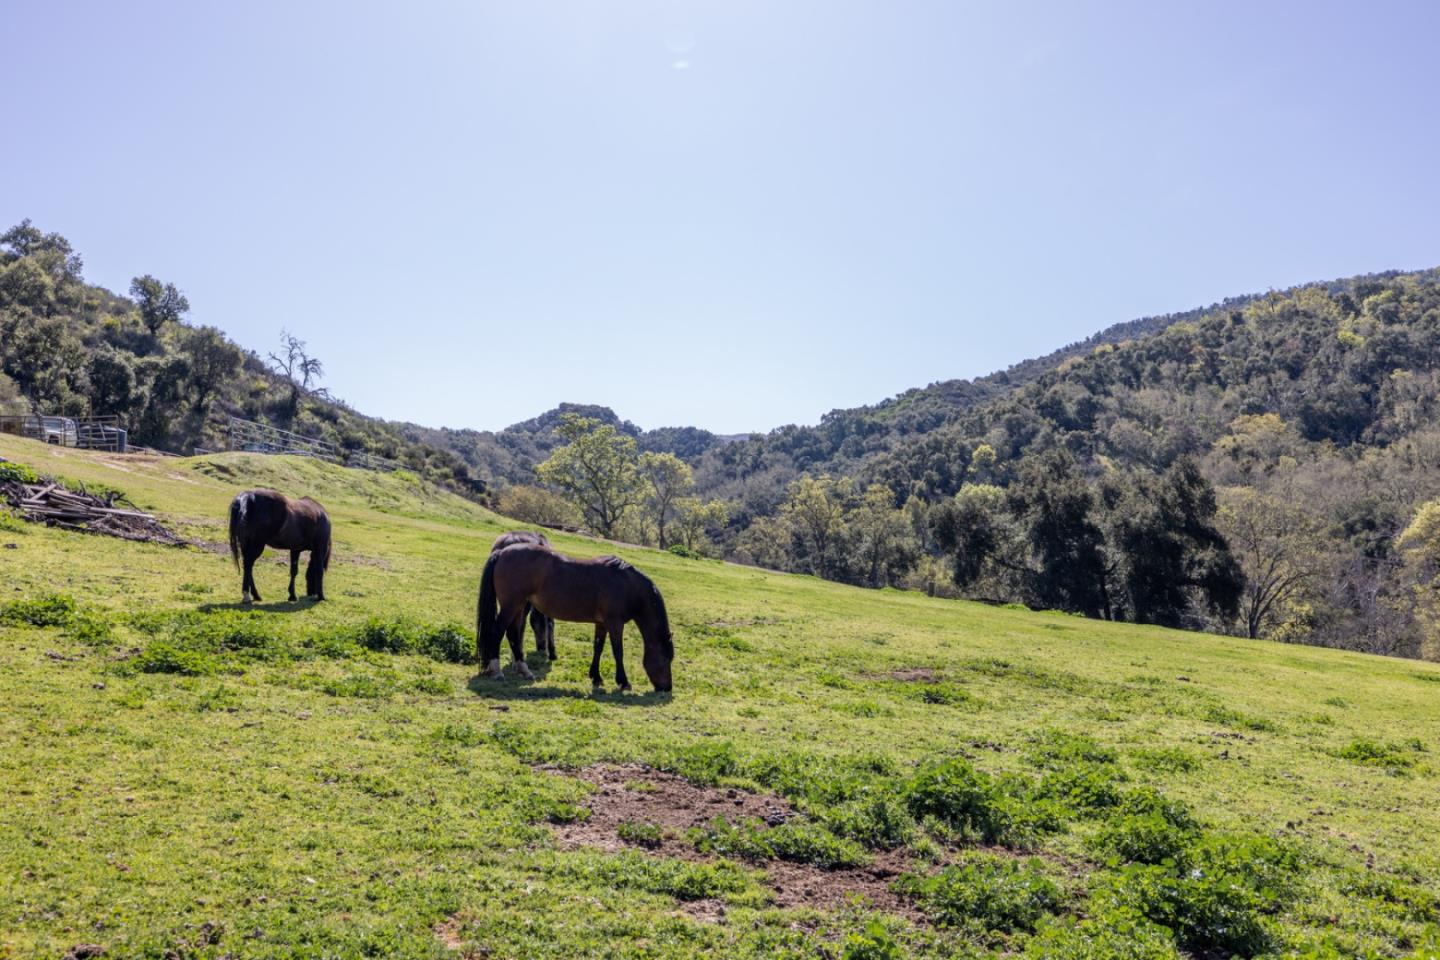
{"x": 182, "y": 775}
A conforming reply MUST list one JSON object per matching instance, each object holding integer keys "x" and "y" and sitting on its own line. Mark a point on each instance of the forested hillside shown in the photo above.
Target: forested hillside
{"x": 1265, "y": 467}
{"x": 71, "y": 348}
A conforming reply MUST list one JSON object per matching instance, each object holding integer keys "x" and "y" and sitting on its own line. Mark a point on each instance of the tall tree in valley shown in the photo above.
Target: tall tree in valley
{"x": 883, "y": 537}
{"x": 1275, "y": 542}
{"x": 667, "y": 479}
{"x": 596, "y": 470}
{"x": 816, "y": 509}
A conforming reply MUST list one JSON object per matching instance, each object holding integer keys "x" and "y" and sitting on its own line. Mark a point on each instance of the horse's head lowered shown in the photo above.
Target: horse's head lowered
{"x": 659, "y": 641}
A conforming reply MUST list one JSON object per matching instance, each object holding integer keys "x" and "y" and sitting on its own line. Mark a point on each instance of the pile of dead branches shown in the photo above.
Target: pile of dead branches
{"x": 52, "y": 503}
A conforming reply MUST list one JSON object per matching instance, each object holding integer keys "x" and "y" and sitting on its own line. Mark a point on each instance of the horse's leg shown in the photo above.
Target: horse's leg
{"x": 550, "y": 638}
{"x": 294, "y": 569}
{"x": 251, "y": 554}
{"x": 503, "y": 621}
{"x": 617, "y": 647}
{"x": 537, "y": 626}
{"x": 595, "y": 678}
{"x": 516, "y": 633}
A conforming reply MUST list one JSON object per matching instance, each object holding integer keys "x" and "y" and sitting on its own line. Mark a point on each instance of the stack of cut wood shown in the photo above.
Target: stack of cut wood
{"x": 52, "y": 503}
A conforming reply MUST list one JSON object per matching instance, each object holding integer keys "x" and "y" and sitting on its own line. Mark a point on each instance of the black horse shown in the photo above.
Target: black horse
{"x": 265, "y": 518}
{"x": 542, "y": 626}
{"x": 606, "y": 592}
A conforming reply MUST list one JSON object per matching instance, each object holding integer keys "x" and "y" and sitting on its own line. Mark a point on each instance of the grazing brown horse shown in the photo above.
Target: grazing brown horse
{"x": 543, "y": 626}
{"x": 265, "y": 518}
{"x": 605, "y": 591}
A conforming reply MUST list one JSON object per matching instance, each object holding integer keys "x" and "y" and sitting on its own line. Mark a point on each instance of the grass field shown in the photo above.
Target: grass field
{"x": 181, "y": 777}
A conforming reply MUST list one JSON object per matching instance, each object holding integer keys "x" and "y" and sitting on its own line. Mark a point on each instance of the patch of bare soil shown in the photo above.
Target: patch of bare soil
{"x": 636, "y": 794}
{"x": 451, "y": 934}
{"x": 908, "y": 675}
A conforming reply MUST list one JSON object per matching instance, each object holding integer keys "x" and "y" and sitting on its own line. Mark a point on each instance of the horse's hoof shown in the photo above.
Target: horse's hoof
{"x": 624, "y": 688}
{"x": 523, "y": 668}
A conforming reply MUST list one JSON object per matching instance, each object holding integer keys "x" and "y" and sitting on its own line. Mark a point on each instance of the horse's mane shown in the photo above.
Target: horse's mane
{"x": 615, "y": 563}
{"x": 662, "y": 618}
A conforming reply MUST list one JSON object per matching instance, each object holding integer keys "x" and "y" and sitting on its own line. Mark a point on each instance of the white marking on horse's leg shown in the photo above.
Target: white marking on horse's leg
{"x": 523, "y": 668}
{"x": 493, "y": 670}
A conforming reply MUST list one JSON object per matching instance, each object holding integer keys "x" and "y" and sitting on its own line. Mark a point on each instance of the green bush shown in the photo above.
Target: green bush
{"x": 10, "y": 523}
{"x": 1055, "y": 749}
{"x": 448, "y": 643}
{"x": 703, "y": 763}
{"x": 874, "y": 942}
{"x": 90, "y": 628}
{"x": 877, "y": 820}
{"x": 1372, "y": 753}
{"x": 11, "y": 472}
{"x": 1215, "y": 899}
{"x": 46, "y": 610}
{"x": 1118, "y": 936}
{"x": 160, "y": 656}
{"x": 985, "y": 894}
{"x": 1083, "y": 786}
{"x": 796, "y": 842}
{"x": 646, "y": 835}
{"x": 1141, "y": 838}
{"x": 957, "y": 796}
{"x": 680, "y": 550}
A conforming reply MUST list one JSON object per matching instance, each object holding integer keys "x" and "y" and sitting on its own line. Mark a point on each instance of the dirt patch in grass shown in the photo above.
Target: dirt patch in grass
{"x": 908, "y": 675}
{"x": 636, "y": 795}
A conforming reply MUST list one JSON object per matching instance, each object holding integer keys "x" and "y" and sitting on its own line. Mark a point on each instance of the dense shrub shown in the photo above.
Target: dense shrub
{"x": 1372, "y": 753}
{"x": 874, "y": 942}
{"x": 641, "y": 834}
{"x": 1141, "y": 838}
{"x": 876, "y": 820}
{"x": 11, "y": 472}
{"x": 1215, "y": 900}
{"x": 163, "y": 657}
{"x": 985, "y": 894}
{"x": 1115, "y": 936}
{"x": 90, "y": 628}
{"x": 1055, "y": 749}
{"x": 966, "y": 801}
{"x": 46, "y": 610}
{"x": 1083, "y": 787}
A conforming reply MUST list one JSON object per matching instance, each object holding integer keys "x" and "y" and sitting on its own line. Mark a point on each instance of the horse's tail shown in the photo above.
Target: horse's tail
{"x": 486, "y": 613}
{"x": 320, "y": 552}
{"x": 237, "y": 514}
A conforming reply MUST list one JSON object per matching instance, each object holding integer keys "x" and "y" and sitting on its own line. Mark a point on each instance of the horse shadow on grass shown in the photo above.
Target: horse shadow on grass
{"x": 514, "y": 688}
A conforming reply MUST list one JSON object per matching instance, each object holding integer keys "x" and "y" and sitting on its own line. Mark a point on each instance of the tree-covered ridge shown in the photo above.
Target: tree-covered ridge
{"x": 72, "y": 348}
{"x": 1263, "y": 468}
{"x": 1311, "y": 412}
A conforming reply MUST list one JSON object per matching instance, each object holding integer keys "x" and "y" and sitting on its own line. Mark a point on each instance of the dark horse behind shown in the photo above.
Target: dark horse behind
{"x": 265, "y": 518}
{"x": 543, "y": 626}
{"x": 606, "y": 592}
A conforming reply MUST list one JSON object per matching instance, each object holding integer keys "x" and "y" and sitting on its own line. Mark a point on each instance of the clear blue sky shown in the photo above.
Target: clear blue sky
{"x": 733, "y": 214}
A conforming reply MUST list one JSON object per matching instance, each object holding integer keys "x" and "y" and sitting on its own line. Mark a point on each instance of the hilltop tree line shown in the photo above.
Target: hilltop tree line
{"x": 74, "y": 349}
